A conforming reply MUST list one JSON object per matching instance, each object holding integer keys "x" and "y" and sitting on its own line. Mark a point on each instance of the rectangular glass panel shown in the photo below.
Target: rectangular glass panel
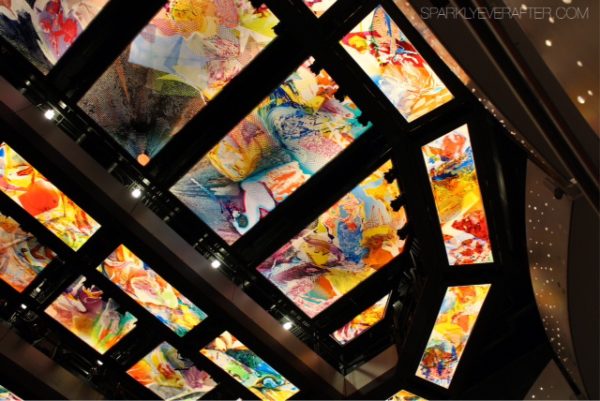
{"x": 23, "y": 257}
{"x": 187, "y": 53}
{"x": 41, "y": 199}
{"x": 43, "y": 30}
{"x": 228, "y": 353}
{"x": 361, "y": 322}
{"x": 151, "y": 291}
{"x": 318, "y": 7}
{"x": 170, "y": 376}
{"x": 85, "y": 312}
{"x": 456, "y": 318}
{"x": 7, "y": 395}
{"x": 404, "y": 395}
{"x": 387, "y": 56}
{"x": 290, "y": 136}
{"x": 343, "y": 247}
{"x": 453, "y": 177}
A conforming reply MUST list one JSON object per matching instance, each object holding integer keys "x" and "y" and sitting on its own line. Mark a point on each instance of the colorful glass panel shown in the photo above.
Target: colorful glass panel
{"x": 290, "y": 136}
{"x": 387, "y": 56}
{"x": 7, "y": 395}
{"x": 343, "y": 247}
{"x": 22, "y": 256}
{"x": 456, "y": 318}
{"x": 85, "y": 312}
{"x": 361, "y": 322}
{"x": 41, "y": 199}
{"x": 318, "y": 7}
{"x": 43, "y": 30}
{"x": 453, "y": 178}
{"x": 404, "y": 395}
{"x": 187, "y": 53}
{"x": 170, "y": 376}
{"x": 151, "y": 291}
{"x": 228, "y": 353}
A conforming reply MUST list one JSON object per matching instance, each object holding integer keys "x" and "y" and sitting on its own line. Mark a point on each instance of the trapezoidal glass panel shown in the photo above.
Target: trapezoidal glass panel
{"x": 361, "y": 322}
{"x": 290, "y": 136}
{"x": 387, "y": 56}
{"x": 404, "y": 395}
{"x": 41, "y": 199}
{"x": 228, "y": 353}
{"x": 43, "y": 30}
{"x": 345, "y": 245}
{"x": 86, "y": 312}
{"x": 318, "y": 7}
{"x": 456, "y": 318}
{"x": 7, "y": 395}
{"x": 22, "y": 257}
{"x": 453, "y": 177}
{"x": 150, "y": 290}
{"x": 170, "y": 376}
{"x": 187, "y": 53}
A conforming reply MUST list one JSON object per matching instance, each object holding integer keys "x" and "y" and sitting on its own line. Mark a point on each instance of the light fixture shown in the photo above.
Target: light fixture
{"x": 548, "y": 42}
{"x": 136, "y": 192}
{"x": 589, "y": 92}
{"x": 23, "y": 306}
{"x": 288, "y": 326}
{"x": 579, "y": 63}
{"x": 49, "y": 114}
{"x": 581, "y": 99}
{"x": 99, "y": 362}
{"x": 215, "y": 264}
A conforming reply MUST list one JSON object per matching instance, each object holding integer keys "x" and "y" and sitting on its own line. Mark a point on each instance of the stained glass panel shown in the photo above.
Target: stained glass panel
{"x": 228, "y": 353}
{"x": 170, "y": 376}
{"x": 41, "y": 199}
{"x": 387, "y": 56}
{"x": 318, "y": 7}
{"x": 86, "y": 312}
{"x": 404, "y": 395}
{"x": 7, "y": 395}
{"x": 43, "y": 30}
{"x": 453, "y": 178}
{"x": 187, "y": 53}
{"x": 348, "y": 243}
{"x": 290, "y": 136}
{"x": 151, "y": 291}
{"x": 22, "y": 257}
{"x": 456, "y": 318}
{"x": 361, "y": 322}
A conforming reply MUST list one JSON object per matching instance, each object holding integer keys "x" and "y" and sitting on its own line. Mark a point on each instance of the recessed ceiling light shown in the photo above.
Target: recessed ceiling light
{"x": 524, "y": 7}
{"x": 136, "y": 193}
{"x": 23, "y": 306}
{"x": 590, "y": 93}
{"x": 567, "y": 1}
{"x": 99, "y": 362}
{"x": 581, "y": 99}
{"x": 49, "y": 114}
{"x": 288, "y": 325}
{"x": 579, "y": 63}
{"x": 551, "y": 20}
{"x": 548, "y": 42}
{"x": 215, "y": 264}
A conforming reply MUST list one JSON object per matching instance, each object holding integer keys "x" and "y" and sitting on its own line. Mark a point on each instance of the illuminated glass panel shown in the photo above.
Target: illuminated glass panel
{"x": 456, "y": 318}
{"x": 85, "y": 312}
{"x": 151, "y": 291}
{"x": 318, "y": 7}
{"x": 380, "y": 48}
{"x": 361, "y": 322}
{"x": 228, "y": 353}
{"x": 453, "y": 178}
{"x": 404, "y": 395}
{"x": 170, "y": 376}
{"x": 22, "y": 257}
{"x": 41, "y": 199}
{"x": 6, "y": 395}
{"x": 43, "y": 30}
{"x": 343, "y": 247}
{"x": 290, "y": 136}
{"x": 187, "y": 53}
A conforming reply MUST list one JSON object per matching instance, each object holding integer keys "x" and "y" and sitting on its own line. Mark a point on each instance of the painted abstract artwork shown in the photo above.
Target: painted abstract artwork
{"x": 453, "y": 177}
{"x": 404, "y": 395}
{"x": 41, "y": 199}
{"x": 361, "y": 322}
{"x": 387, "y": 56}
{"x": 86, "y": 312}
{"x": 228, "y": 353}
{"x": 7, "y": 395}
{"x": 187, "y": 53}
{"x": 288, "y": 137}
{"x": 456, "y": 318}
{"x": 43, "y": 30}
{"x": 345, "y": 245}
{"x": 151, "y": 291}
{"x": 22, "y": 257}
{"x": 170, "y": 376}
{"x": 318, "y": 7}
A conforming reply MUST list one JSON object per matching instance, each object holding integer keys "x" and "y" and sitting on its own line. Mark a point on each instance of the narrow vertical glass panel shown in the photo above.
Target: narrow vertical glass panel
{"x": 387, "y": 56}
{"x": 453, "y": 178}
{"x": 22, "y": 256}
{"x": 151, "y": 291}
{"x": 318, "y": 7}
{"x": 187, "y": 53}
{"x": 43, "y": 30}
{"x": 170, "y": 376}
{"x": 228, "y": 353}
{"x": 290, "y": 136}
{"x": 7, "y": 395}
{"x": 41, "y": 199}
{"x": 456, "y": 318}
{"x": 404, "y": 395}
{"x": 87, "y": 313}
{"x": 348, "y": 243}
{"x": 361, "y": 322}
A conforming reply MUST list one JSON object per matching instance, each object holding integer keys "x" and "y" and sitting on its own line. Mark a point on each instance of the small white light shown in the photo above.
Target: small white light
{"x": 23, "y": 306}
{"x": 136, "y": 193}
{"x": 579, "y": 63}
{"x": 567, "y": 1}
{"x": 524, "y": 7}
{"x": 548, "y": 42}
{"x": 215, "y": 264}
{"x": 590, "y": 93}
{"x": 581, "y": 99}
{"x": 99, "y": 362}
{"x": 49, "y": 114}
{"x": 551, "y": 20}
{"x": 288, "y": 325}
